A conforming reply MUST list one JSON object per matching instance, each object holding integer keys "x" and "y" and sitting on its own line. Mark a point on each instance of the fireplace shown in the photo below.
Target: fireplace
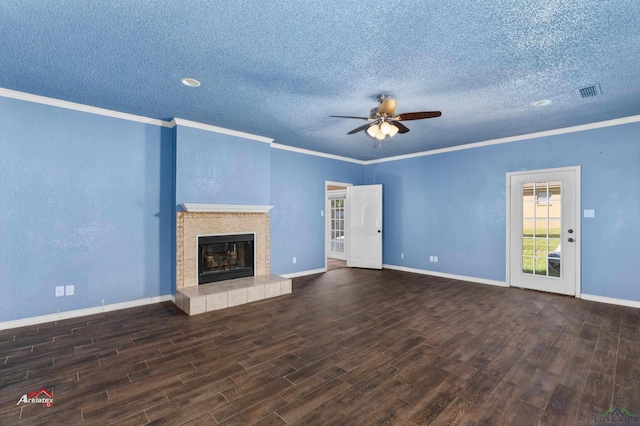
{"x": 224, "y": 257}
{"x": 201, "y": 256}
{"x": 218, "y": 220}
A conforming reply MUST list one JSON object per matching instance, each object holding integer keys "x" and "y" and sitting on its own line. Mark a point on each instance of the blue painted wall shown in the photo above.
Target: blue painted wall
{"x": 86, "y": 201}
{"x": 297, "y": 194}
{"x": 453, "y": 205}
{"x": 90, "y": 201}
{"x": 214, "y": 168}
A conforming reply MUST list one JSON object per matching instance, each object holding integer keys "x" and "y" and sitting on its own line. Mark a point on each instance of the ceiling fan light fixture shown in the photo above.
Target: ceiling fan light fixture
{"x": 383, "y": 122}
{"x": 373, "y": 130}
{"x": 385, "y": 128}
{"x": 387, "y": 105}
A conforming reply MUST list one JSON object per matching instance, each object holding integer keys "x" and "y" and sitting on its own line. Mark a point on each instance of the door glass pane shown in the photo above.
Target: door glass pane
{"x": 541, "y": 266}
{"x": 541, "y": 227}
{"x": 527, "y": 264}
{"x": 554, "y": 245}
{"x": 337, "y": 225}
{"x": 542, "y": 248}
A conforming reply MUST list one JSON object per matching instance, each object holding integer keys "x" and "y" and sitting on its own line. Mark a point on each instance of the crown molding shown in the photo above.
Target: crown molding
{"x": 547, "y": 133}
{"x": 316, "y": 153}
{"x": 13, "y": 94}
{"x": 43, "y": 100}
{"x": 216, "y": 129}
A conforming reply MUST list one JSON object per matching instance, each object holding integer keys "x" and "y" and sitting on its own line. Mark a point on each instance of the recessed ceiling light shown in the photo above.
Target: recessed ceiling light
{"x": 543, "y": 102}
{"x": 191, "y": 82}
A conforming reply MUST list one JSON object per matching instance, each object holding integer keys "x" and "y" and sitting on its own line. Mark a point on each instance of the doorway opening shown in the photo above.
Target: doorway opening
{"x": 353, "y": 226}
{"x": 335, "y": 225}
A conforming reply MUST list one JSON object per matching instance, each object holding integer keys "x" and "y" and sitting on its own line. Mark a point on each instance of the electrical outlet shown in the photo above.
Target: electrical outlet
{"x": 435, "y": 259}
{"x": 295, "y": 260}
{"x": 401, "y": 255}
{"x": 69, "y": 290}
{"x": 59, "y": 290}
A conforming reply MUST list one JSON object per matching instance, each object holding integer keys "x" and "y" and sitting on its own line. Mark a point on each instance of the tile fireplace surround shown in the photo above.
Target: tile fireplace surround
{"x": 215, "y": 219}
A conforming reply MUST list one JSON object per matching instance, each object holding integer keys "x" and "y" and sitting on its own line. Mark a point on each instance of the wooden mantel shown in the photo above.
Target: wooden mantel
{"x": 225, "y": 208}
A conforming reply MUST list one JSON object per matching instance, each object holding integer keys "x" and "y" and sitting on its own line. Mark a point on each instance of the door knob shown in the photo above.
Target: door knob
{"x": 570, "y": 231}
{"x": 379, "y": 231}
{"x": 570, "y": 240}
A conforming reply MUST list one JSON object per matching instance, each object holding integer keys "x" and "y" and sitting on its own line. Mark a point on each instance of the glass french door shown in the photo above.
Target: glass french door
{"x": 543, "y": 231}
{"x": 337, "y": 226}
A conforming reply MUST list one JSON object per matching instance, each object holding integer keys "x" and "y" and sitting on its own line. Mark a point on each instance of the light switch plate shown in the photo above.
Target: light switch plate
{"x": 589, "y": 213}
{"x": 59, "y": 290}
{"x": 69, "y": 290}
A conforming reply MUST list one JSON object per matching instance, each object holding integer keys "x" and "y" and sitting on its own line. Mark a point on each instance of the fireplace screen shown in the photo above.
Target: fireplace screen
{"x": 224, "y": 257}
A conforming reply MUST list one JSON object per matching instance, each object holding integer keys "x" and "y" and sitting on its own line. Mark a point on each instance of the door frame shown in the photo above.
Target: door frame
{"x": 327, "y": 219}
{"x": 577, "y": 219}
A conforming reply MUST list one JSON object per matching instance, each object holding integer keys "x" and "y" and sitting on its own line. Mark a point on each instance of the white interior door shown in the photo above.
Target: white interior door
{"x": 365, "y": 226}
{"x": 544, "y": 230}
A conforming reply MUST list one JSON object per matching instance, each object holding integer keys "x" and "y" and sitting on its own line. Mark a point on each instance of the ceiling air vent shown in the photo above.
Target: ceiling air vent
{"x": 589, "y": 91}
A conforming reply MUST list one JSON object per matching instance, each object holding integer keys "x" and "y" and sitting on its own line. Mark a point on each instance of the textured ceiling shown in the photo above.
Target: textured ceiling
{"x": 279, "y": 69}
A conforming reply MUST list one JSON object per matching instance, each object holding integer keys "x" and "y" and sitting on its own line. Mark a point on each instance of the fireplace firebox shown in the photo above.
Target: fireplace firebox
{"x": 224, "y": 257}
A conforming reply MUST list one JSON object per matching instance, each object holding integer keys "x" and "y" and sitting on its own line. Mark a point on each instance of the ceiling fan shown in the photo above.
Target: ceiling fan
{"x": 383, "y": 122}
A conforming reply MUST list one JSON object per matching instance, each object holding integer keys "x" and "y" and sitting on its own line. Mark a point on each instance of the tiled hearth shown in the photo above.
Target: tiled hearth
{"x": 212, "y": 219}
{"x": 225, "y": 294}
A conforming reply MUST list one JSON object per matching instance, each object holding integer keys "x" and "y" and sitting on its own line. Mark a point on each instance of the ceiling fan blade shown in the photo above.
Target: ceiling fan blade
{"x": 349, "y": 116}
{"x": 417, "y": 115}
{"x": 401, "y": 127}
{"x": 359, "y": 129}
{"x": 388, "y": 107}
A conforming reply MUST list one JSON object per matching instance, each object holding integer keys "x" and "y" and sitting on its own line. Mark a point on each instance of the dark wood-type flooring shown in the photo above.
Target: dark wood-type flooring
{"x": 347, "y": 347}
{"x": 335, "y": 264}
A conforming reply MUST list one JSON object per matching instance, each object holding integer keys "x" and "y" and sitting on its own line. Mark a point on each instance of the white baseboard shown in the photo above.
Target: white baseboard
{"x": 303, "y": 273}
{"x": 445, "y": 275}
{"x": 590, "y": 297}
{"x": 83, "y": 312}
{"x": 611, "y": 300}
